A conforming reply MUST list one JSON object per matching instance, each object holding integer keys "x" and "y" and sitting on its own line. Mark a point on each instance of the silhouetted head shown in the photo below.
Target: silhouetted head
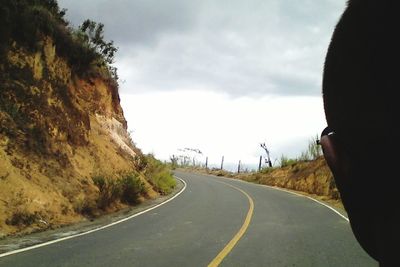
{"x": 361, "y": 77}
{"x": 361, "y": 74}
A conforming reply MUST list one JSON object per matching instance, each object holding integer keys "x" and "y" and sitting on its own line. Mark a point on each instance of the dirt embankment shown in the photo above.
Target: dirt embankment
{"x": 57, "y": 132}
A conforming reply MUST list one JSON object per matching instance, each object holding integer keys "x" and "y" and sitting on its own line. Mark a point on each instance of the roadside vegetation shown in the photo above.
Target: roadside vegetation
{"x": 158, "y": 174}
{"x": 26, "y": 22}
{"x": 312, "y": 152}
{"x": 127, "y": 188}
{"x": 308, "y": 174}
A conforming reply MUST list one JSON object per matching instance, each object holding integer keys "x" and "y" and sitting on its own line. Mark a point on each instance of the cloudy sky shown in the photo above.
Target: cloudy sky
{"x": 221, "y": 76}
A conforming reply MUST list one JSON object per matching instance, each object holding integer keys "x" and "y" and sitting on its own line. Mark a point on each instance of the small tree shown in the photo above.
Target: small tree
{"x": 92, "y": 33}
{"x": 94, "y": 36}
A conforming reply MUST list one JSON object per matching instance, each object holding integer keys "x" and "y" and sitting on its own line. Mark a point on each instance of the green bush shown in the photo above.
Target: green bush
{"x": 23, "y": 218}
{"x": 126, "y": 189}
{"x": 140, "y": 162}
{"x": 132, "y": 188}
{"x": 100, "y": 182}
{"x": 164, "y": 181}
{"x": 109, "y": 191}
{"x": 159, "y": 175}
{"x": 85, "y": 207}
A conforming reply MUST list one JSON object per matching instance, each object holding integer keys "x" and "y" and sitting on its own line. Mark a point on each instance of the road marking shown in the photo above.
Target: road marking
{"x": 225, "y": 251}
{"x": 313, "y": 199}
{"x": 329, "y": 207}
{"x": 287, "y": 191}
{"x": 96, "y": 229}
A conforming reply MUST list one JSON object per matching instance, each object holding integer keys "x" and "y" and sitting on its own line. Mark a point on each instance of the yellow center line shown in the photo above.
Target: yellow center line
{"x": 225, "y": 251}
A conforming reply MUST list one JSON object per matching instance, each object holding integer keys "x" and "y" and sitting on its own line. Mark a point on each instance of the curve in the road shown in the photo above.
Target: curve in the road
{"x": 225, "y": 251}
{"x": 285, "y": 230}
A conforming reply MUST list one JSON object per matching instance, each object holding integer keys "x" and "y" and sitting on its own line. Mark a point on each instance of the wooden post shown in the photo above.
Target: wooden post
{"x": 239, "y": 167}
{"x": 269, "y": 161}
{"x": 222, "y": 163}
{"x": 206, "y": 163}
{"x": 259, "y": 164}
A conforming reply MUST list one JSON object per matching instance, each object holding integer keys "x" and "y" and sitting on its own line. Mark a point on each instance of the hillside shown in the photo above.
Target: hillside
{"x": 65, "y": 153}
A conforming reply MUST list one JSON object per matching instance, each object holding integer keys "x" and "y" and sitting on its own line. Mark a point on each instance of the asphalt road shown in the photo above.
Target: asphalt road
{"x": 284, "y": 230}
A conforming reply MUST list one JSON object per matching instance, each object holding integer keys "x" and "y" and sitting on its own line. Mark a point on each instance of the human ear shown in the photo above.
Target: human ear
{"x": 333, "y": 156}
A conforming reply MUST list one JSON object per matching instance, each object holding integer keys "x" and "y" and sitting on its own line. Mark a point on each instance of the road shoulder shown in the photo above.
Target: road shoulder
{"x": 13, "y": 243}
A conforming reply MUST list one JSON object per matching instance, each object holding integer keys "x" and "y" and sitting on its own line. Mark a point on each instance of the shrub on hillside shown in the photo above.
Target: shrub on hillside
{"x": 132, "y": 187}
{"x": 159, "y": 175}
{"x": 126, "y": 189}
{"x": 109, "y": 191}
{"x": 85, "y": 206}
{"x": 140, "y": 162}
{"x": 23, "y": 218}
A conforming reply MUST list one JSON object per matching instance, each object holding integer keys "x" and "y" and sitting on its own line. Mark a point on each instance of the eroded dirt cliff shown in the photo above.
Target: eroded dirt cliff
{"x": 58, "y": 130}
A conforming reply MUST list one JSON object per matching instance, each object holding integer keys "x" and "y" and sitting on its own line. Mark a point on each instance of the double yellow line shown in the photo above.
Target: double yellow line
{"x": 225, "y": 251}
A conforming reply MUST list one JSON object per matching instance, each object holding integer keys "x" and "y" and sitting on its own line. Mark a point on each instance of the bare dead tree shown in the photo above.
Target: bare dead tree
{"x": 264, "y": 146}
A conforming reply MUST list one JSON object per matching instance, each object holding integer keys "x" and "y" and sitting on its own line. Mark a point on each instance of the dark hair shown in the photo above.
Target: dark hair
{"x": 361, "y": 73}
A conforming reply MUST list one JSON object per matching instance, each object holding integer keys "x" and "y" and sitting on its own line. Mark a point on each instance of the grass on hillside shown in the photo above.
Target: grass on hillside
{"x": 159, "y": 175}
{"x": 307, "y": 173}
{"x": 128, "y": 188}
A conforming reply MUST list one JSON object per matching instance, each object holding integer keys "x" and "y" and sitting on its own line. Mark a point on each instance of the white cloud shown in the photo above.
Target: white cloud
{"x": 243, "y": 48}
{"x": 221, "y": 76}
{"x": 220, "y": 125}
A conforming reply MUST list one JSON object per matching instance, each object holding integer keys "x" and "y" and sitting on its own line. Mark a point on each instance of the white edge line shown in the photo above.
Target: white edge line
{"x": 287, "y": 191}
{"x": 96, "y": 229}
{"x": 313, "y": 199}
{"x": 329, "y": 207}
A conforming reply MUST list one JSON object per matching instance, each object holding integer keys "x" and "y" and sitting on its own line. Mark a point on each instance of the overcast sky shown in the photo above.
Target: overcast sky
{"x": 218, "y": 75}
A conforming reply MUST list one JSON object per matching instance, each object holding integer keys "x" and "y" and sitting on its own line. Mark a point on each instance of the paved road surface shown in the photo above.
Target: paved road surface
{"x": 284, "y": 230}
